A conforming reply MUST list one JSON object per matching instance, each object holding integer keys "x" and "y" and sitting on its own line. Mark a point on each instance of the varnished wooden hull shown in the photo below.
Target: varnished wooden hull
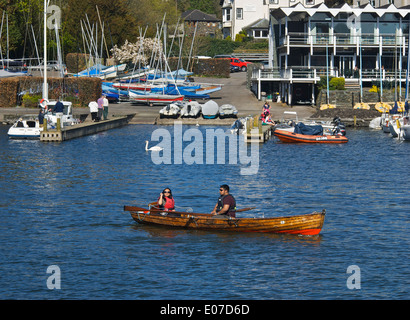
{"x": 291, "y": 137}
{"x": 308, "y": 224}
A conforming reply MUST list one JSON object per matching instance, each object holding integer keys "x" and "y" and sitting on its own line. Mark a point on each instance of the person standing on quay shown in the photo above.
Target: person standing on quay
{"x": 100, "y": 103}
{"x": 105, "y": 105}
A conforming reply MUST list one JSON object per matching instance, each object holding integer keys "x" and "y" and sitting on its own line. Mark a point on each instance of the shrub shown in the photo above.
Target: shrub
{"x": 78, "y": 90}
{"x": 30, "y": 100}
{"x": 337, "y": 84}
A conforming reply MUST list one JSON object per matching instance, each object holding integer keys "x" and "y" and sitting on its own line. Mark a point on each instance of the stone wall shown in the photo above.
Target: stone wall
{"x": 347, "y": 98}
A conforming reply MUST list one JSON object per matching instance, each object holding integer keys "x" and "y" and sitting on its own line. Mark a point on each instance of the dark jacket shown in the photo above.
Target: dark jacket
{"x": 59, "y": 107}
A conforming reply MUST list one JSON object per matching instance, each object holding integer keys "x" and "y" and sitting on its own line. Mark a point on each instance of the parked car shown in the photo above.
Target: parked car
{"x": 235, "y": 68}
{"x": 51, "y": 65}
{"x": 242, "y": 64}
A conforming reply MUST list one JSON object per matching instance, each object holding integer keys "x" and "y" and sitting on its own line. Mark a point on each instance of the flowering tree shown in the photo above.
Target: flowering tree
{"x": 138, "y": 52}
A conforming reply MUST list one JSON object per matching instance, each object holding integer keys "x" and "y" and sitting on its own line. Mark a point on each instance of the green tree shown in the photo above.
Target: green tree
{"x": 119, "y": 23}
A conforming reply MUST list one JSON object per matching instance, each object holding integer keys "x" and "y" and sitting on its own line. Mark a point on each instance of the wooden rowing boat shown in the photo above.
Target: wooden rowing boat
{"x": 307, "y": 224}
{"x": 286, "y": 136}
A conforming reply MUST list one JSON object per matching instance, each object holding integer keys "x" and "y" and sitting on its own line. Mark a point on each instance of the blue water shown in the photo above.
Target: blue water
{"x": 62, "y": 205}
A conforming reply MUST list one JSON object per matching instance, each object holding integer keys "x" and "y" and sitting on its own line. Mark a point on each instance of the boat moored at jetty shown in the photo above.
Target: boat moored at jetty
{"x": 308, "y": 134}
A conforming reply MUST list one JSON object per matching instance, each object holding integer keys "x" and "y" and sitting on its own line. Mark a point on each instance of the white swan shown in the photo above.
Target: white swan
{"x": 156, "y": 148}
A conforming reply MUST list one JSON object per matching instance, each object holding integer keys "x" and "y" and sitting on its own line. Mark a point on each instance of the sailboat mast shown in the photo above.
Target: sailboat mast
{"x": 45, "y": 87}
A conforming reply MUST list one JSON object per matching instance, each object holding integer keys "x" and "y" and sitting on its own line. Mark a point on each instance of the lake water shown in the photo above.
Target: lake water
{"x": 62, "y": 214}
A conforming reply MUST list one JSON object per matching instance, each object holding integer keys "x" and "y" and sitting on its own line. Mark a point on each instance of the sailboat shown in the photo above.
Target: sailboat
{"x": 67, "y": 118}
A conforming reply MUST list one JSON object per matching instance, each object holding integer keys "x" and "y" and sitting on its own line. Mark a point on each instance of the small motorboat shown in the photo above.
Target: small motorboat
{"x": 305, "y": 224}
{"x": 239, "y": 126}
{"x": 395, "y": 124}
{"x": 25, "y": 128}
{"x": 228, "y": 111}
{"x": 308, "y": 134}
{"x": 171, "y": 110}
{"x": 405, "y": 129}
{"x": 375, "y": 123}
{"x": 190, "y": 109}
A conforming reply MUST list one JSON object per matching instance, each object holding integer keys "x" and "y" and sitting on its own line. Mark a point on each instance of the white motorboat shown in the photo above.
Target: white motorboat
{"x": 239, "y": 126}
{"x": 190, "y": 109}
{"x": 375, "y": 123}
{"x": 405, "y": 129}
{"x": 227, "y": 111}
{"x": 25, "y": 128}
{"x": 395, "y": 123}
{"x": 67, "y": 118}
{"x": 171, "y": 110}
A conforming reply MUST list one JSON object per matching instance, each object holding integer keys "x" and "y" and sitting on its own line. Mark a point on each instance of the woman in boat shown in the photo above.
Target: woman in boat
{"x": 166, "y": 201}
{"x": 226, "y": 205}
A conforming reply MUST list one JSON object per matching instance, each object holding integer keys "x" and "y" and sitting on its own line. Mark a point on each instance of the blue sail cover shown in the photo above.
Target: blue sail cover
{"x": 301, "y": 128}
{"x": 395, "y": 109}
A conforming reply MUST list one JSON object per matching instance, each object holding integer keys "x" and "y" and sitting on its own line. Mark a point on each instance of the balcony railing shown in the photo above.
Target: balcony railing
{"x": 294, "y": 38}
{"x": 314, "y": 74}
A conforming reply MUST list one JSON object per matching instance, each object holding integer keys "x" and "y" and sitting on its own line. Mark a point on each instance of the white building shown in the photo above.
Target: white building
{"x": 309, "y": 43}
{"x": 239, "y": 14}
{"x": 380, "y": 3}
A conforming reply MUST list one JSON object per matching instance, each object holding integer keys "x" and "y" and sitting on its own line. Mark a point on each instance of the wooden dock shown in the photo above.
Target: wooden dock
{"x": 83, "y": 129}
{"x": 255, "y": 131}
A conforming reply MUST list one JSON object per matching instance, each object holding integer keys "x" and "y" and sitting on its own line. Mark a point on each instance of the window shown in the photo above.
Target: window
{"x": 310, "y": 2}
{"x": 239, "y": 13}
{"x": 373, "y": 2}
{"x": 228, "y": 14}
{"x": 273, "y": 1}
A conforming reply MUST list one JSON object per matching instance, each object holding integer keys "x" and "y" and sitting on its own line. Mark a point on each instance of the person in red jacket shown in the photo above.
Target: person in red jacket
{"x": 166, "y": 201}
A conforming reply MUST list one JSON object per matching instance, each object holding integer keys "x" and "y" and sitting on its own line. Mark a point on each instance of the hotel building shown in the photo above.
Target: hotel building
{"x": 354, "y": 42}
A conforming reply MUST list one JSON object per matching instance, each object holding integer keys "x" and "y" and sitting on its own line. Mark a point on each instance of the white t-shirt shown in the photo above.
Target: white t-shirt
{"x": 93, "y": 105}
{"x": 106, "y": 102}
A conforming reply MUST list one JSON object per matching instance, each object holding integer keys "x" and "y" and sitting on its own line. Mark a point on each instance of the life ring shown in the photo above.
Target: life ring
{"x": 44, "y": 103}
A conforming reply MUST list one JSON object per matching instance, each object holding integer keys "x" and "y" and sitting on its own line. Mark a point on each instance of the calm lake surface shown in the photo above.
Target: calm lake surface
{"x": 62, "y": 205}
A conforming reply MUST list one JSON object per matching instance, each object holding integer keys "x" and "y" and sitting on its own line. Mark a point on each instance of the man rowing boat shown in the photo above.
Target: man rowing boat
{"x": 226, "y": 205}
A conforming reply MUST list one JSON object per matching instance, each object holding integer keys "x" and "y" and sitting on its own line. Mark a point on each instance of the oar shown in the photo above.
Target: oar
{"x": 245, "y": 209}
{"x": 157, "y": 210}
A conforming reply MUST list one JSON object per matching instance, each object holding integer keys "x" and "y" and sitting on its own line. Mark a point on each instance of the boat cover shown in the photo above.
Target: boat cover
{"x": 314, "y": 130}
{"x": 210, "y": 108}
{"x": 395, "y": 109}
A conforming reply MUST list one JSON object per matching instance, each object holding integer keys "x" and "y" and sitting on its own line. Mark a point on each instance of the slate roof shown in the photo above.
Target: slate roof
{"x": 197, "y": 15}
{"x": 258, "y": 24}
